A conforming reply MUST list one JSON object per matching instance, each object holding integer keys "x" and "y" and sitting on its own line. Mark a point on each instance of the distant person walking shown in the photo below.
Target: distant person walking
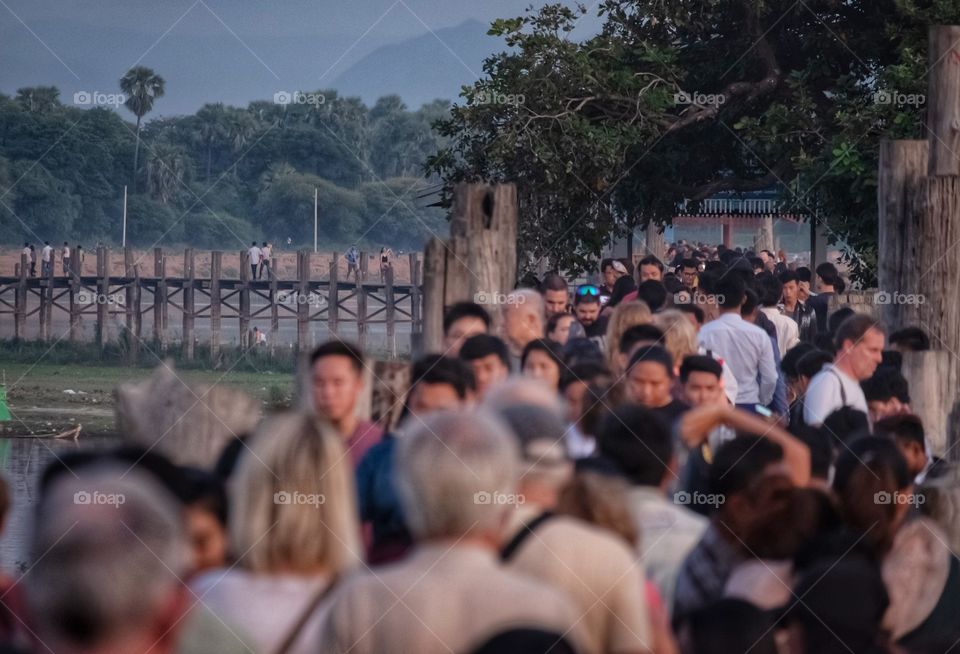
{"x": 386, "y": 258}
{"x": 33, "y": 261}
{"x": 255, "y": 254}
{"x": 26, "y": 252}
{"x": 46, "y": 260}
{"x": 353, "y": 263}
{"x": 265, "y": 254}
{"x": 66, "y": 259}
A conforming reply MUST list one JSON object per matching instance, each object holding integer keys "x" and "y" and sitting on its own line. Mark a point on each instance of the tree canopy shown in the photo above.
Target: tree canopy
{"x": 677, "y": 100}
{"x": 220, "y": 177}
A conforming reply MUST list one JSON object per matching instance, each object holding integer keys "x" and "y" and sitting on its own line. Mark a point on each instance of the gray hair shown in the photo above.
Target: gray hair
{"x": 109, "y": 551}
{"x": 455, "y": 473}
{"x": 526, "y": 300}
{"x": 518, "y": 390}
{"x": 541, "y": 434}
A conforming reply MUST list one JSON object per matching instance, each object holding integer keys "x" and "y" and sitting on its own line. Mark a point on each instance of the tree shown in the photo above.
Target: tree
{"x": 142, "y": 87}
{"x": 167, "y": 168}
{"x": 40, "y": 99}
{"x": 210, "y": 127}
{"x": 675, "y": 100}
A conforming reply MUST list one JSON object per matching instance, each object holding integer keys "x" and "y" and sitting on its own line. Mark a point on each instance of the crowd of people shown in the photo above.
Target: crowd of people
{"x": 48, "y": 258}
{"x": 702, "y": 456}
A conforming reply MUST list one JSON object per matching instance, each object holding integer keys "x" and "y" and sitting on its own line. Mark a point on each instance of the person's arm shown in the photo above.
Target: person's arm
{"x": 821, "y": 399}
{"x": 696, "y": 425}
{"x": 768, "y": 371}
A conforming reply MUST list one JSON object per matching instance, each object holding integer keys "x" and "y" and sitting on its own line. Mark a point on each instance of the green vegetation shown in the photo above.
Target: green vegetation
{"x": 679, "y": 99}
{"x": 219, "y": 178}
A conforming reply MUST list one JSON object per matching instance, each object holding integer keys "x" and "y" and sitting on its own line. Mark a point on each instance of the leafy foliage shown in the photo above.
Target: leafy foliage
{"x": 677, "y": 100}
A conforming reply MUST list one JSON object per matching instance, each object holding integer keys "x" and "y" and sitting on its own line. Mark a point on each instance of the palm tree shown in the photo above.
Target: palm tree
{"x": 142, "y": 87}
{"x": 241, "y": 127}
{"x": 39, "y": 99}
{"x": 166, "y": 170}
{"x": 211, "y": 126}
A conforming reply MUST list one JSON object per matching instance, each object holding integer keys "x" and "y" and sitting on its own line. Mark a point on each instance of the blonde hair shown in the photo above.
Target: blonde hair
{"x": 624, "y": 316}
{"x": 292, "y": 505}
{"x": 679, "y": 336}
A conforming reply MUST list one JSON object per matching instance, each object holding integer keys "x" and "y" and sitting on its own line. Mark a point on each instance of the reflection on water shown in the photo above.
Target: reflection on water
{"x": 22, "y": 461}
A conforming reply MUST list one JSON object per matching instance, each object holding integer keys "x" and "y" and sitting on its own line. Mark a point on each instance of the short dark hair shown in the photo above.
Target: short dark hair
{"x": 788, "y": 364}
{"x": 483, "y": 345}
{"x": 755, "y": 262}
{"x": 585, "y": 298}
{"x": 837, "y": 317}
{"x": 689, "y": 263}
{"x": 740, "y": 462}
{"x": 340, "y": 349}
{"x": 650, "y": 260}
{"x": 638, "y": 334}
{"x": 638, "y": 442}
{"x": 553, "y": 282}
{"x": 652, "y": 292}
{"x": 911, "y": 338}
{"x": 903, "y": 428}
{"x": 699, "y": 363}
{"x": 769, "y": 288}
{"x": 465, "y": 310}
{"x": 804, "y": 275}
{"x": 855, "y": 327}
{"x": 654, "y": 354}
{"x": 846, "y": 425}
{"x": 885, "y": 383}
{"x": 439, "y": 369}
{"x": 820, "y": 445}
{"x": 828, "y": 273}
{"x": 750, "y": 302}
{"x": 551, "y": 348}
{"x": 813, "y": 362}
{"x": 788, "y": 276}
{"x": 697, "y": 312}
{"x": 730, "y": 625}
{"x": 554, "y": 319}
{"x": 583, "y": 371}
{"x": 730, "y": 291}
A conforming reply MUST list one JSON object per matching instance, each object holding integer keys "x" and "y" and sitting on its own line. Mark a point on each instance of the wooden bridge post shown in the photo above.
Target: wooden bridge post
{"x": 302, "y": 295}
{"x": 216, "y": 262}
{"x": 44, "y": 281}
{"x": 416, "y": 322}
{"x": 103, "y": 297}
{"x": 244, "y": 299}
{"x": 362, "y": 303}
{"x": 20, "y": 300}
{"x": 132, "y": 303}
{"x": 391, "y": 313}
{"x": 74, "y": 280}
{"x": 274, "y": 305}
{"x": 333, "y": 311}
{"x": 128, "y": 284}
{"x": 189, "y": 276}
{"x": 160, "y": 299}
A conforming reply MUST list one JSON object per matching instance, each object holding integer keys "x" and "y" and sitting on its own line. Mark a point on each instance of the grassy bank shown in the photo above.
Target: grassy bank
{"x": 40, "y": 400}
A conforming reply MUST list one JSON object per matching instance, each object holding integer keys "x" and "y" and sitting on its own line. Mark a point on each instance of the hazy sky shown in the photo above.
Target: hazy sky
{"x": 232, "y": 50}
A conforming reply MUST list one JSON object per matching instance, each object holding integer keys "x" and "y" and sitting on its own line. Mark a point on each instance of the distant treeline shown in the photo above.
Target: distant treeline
{"x": 220, "y": 177}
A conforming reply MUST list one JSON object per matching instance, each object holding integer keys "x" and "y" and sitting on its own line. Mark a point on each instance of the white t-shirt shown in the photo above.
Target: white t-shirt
{"x": 829, "y": 390}
{"x": 66, "y": 252}
{"x": 254, "y": 255}
{"x": 265, "y": 252}
{"x": 45, "y": 254}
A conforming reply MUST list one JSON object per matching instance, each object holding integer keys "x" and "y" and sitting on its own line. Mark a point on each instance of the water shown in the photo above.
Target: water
{"x": 22, "y": 461}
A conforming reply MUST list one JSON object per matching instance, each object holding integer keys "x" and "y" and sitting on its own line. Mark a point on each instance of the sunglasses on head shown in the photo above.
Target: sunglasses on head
{"x": 588, "y": 289}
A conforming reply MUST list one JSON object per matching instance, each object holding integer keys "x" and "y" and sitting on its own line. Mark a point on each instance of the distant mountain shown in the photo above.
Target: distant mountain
{"x": 424, "y": 68}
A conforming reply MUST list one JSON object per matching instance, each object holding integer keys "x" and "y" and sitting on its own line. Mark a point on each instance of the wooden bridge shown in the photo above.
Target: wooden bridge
{"x": 137, "y": 298}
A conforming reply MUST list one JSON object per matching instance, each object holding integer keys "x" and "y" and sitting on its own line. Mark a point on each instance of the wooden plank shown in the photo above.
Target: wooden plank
{"x": 216, "y": 261}
{"x": 362, "y": 304}
{"x": 128, "y": 291}
{"x": 302, "y": 295}
{"x": 189, "y": 275}
{"x": 391, "y": 314}
{"x": 244, "y": 312}
{"x": 20, "y": 300}
{"x": 274, "y": 306}
{"x": 103, "y": 297}
{"x": 434, "y": 273}
{"x": 943, "y": 99}
{"x": 930, "y": 376}
{"x": 75, "y": 308}
{"x": 333, "y": 300}
{"x": 160, "y": 299}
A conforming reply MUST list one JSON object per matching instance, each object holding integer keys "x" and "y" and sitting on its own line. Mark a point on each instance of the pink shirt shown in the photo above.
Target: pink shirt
{"x": 366, "y": 435}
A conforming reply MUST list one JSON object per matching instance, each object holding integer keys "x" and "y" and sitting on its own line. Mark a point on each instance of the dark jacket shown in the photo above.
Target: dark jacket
{"x": 806, "y": 318}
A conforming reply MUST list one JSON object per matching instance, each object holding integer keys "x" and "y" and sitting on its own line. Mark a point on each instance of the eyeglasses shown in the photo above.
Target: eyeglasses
{"x": 588, "y": 289}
